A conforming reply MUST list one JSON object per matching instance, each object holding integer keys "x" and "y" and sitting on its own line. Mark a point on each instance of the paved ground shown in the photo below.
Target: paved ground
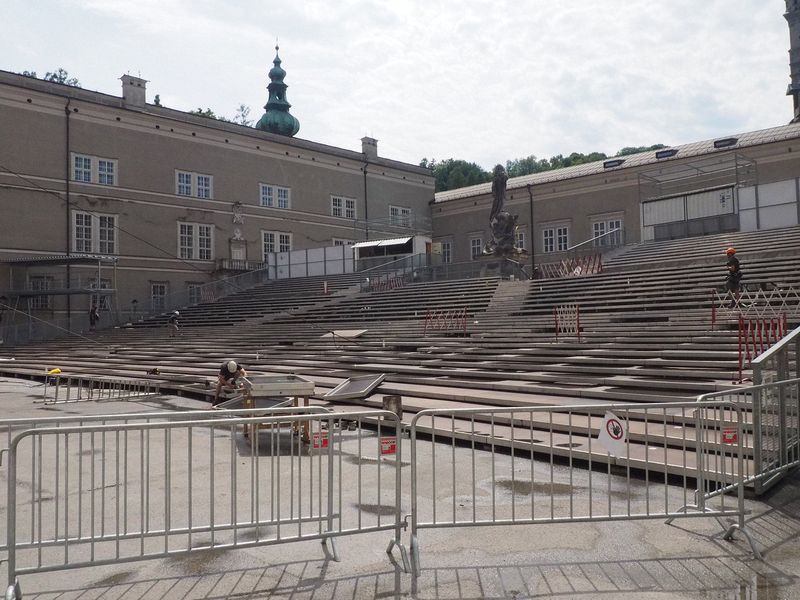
{"x": 640, "y": 559}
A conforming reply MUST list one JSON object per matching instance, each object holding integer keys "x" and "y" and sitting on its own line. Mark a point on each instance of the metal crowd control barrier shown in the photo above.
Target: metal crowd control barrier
{"x": 10, "y": 427}
{"x": 780, "y": 362}
{"x": 774, "y": 411}
{"x": 694, "y": 442}
{"x": 80, "y": 496}
{"x": 567, "y": 320}
{"x": 756, "y": 336}
{"x": 579, "y": 266}
{"x": 84, "y": 388}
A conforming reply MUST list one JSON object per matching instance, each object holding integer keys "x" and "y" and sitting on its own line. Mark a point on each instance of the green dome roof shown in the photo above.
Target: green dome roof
{"x": 277, "y": 119}
{"x": 279, "y": 122}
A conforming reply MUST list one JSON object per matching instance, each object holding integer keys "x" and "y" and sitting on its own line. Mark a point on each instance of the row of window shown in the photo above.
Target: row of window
{"x": 554, "y": 239}
{"x": 45, "y": 282}
{"x": 96, "y": 234}
{"x": 92, "y": 169}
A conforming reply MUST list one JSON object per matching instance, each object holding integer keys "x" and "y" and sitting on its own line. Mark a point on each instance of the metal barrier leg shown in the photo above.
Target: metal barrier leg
{"x": 403, "y": 553}
{"x": 14, "y": 592}
{"x": 736, "y": 527}
{"x": 415, "y": 556}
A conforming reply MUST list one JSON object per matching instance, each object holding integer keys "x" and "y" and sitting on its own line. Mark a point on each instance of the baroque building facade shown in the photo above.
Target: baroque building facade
{"x": 172, "y": 199}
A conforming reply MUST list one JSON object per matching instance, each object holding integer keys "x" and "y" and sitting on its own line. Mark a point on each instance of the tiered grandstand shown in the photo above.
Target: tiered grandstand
{"x": 646, "y": 333}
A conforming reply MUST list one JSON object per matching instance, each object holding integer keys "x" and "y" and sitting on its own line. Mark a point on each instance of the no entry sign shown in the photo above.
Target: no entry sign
{"x": 388, "y": 445}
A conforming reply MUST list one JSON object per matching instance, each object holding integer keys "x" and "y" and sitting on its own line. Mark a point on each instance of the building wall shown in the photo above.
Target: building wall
{"x": 148, "y": 146}
{"x": 578, "y": 202}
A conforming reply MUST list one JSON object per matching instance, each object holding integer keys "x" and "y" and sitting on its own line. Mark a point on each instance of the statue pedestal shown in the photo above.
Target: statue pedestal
{"x": 496, "y": 266}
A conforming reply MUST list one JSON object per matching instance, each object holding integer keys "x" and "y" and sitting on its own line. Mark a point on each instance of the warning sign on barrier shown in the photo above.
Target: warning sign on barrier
{"x": 388, "y": 445}
{"x": 729, "y": 436}
{"x": 612, "y": 435}
{"x": 319, "y": 440}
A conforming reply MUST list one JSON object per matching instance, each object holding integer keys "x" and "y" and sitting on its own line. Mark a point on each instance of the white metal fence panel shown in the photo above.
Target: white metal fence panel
{"x": 701, "y": 445}
{"x": 89, "y": 495}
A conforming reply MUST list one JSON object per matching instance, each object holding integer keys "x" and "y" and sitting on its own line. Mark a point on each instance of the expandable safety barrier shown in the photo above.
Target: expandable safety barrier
{"x": 454, "y": 320}
{"x": 579, "y": 266}
{"x": 756, "y": 336}
{"x": 757, "y": 304}
{"x": 81, "y": 496}
{"x": 83, "y": 388}
{"x": 775, "y": 417}
{"x": 701, "y": 442}
{"x": 387, "y": 283}
{"x": 567, "y": 321}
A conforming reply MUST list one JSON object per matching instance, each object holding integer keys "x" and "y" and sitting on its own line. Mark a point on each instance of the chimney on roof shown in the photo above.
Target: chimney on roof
{"x": 134, "y": 91}
{"x": 369, "y": 147}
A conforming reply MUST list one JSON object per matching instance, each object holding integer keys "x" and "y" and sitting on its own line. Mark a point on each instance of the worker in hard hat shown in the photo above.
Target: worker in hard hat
{"x": 229, "y": 372}
{"x": 732, "y": 281}
{"x": 173, "y": 324}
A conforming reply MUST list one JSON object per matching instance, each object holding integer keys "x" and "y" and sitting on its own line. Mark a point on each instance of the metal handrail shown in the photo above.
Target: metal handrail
{"x": 597, "y": 237}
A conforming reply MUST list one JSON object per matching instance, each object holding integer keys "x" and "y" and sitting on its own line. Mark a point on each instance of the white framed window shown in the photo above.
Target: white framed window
{"x": 342, "y": 242}
{"x": 92, "y": 169}
{"x": 447, "y": 252}
{"x": 519, "y": 239}
{"x": 343, "y": 207}
{"x": 83, "y": 169}
{"x": 40, "y": 282}
{"x": 475, "y": 247}
{"x": 158, "y": 295}
{"x": 562, "y": 238}
{"x": 604, "y": 226}
{"x": 197, "y": 185}
{"x": 555, "y": 239}
{"x": 275, "y": 241}
{"x": 274, "y": 196}
{"x": 400, "y": 216}
{"x": 94, "y": 233}
{"x": 99, "y": 300}
{"x": 267, "y": 244}
{"x": 204, "y": 186}
{"x": 195, "y": 241}
{"x": 105, "y": 171}
{"x": 283, "y": 197}
{"x": 193, "y": 292}
{"x": 184, "y": 184}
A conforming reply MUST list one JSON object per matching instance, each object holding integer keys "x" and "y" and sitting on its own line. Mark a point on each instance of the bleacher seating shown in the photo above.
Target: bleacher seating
{"x": 646, "y": 332}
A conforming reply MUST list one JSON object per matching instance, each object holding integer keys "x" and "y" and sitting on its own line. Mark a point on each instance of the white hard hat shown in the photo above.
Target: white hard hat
{"x": 232, "y": 366}
{"x": 177, "y": 313}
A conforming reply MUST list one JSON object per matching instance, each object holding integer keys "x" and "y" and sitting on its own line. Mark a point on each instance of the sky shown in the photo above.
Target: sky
{"x": 483, "y": 81}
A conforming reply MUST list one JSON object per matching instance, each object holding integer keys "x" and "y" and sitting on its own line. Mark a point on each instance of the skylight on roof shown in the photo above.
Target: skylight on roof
{"x": 615, "y": 162}
{"x": 726, "y": 142}
{"x": 666, "y": 153}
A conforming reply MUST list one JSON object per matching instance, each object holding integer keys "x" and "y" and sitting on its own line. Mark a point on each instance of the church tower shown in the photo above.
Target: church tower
{"x": 277, "y": 118}
{"x": 793, "y": 17}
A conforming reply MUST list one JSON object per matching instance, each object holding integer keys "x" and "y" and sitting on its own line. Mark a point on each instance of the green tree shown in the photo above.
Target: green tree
{"x": 637, "y": 149}
{"x": 454, "y": 173}
{"x": 241, "y": 116}
{"x": 204, "y": 112}
{"x": 61, "y": 76}
{"x": 58, "y": 76}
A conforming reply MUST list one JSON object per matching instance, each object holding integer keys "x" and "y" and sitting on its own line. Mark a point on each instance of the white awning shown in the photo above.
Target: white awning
{"x": 391, "y": 242}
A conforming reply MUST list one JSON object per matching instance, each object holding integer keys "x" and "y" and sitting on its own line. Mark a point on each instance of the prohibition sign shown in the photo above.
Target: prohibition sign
{"x": 614, "y": 429}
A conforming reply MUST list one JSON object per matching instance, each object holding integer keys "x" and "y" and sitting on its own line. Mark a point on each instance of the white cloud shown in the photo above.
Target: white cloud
{"x": 481, "y": 80}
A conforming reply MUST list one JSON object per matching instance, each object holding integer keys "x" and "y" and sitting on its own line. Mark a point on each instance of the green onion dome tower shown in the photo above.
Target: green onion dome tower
{"x": 277, "y": 118}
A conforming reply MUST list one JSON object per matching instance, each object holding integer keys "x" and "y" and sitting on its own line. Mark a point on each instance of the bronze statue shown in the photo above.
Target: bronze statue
{"x": 502, "y": 223}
